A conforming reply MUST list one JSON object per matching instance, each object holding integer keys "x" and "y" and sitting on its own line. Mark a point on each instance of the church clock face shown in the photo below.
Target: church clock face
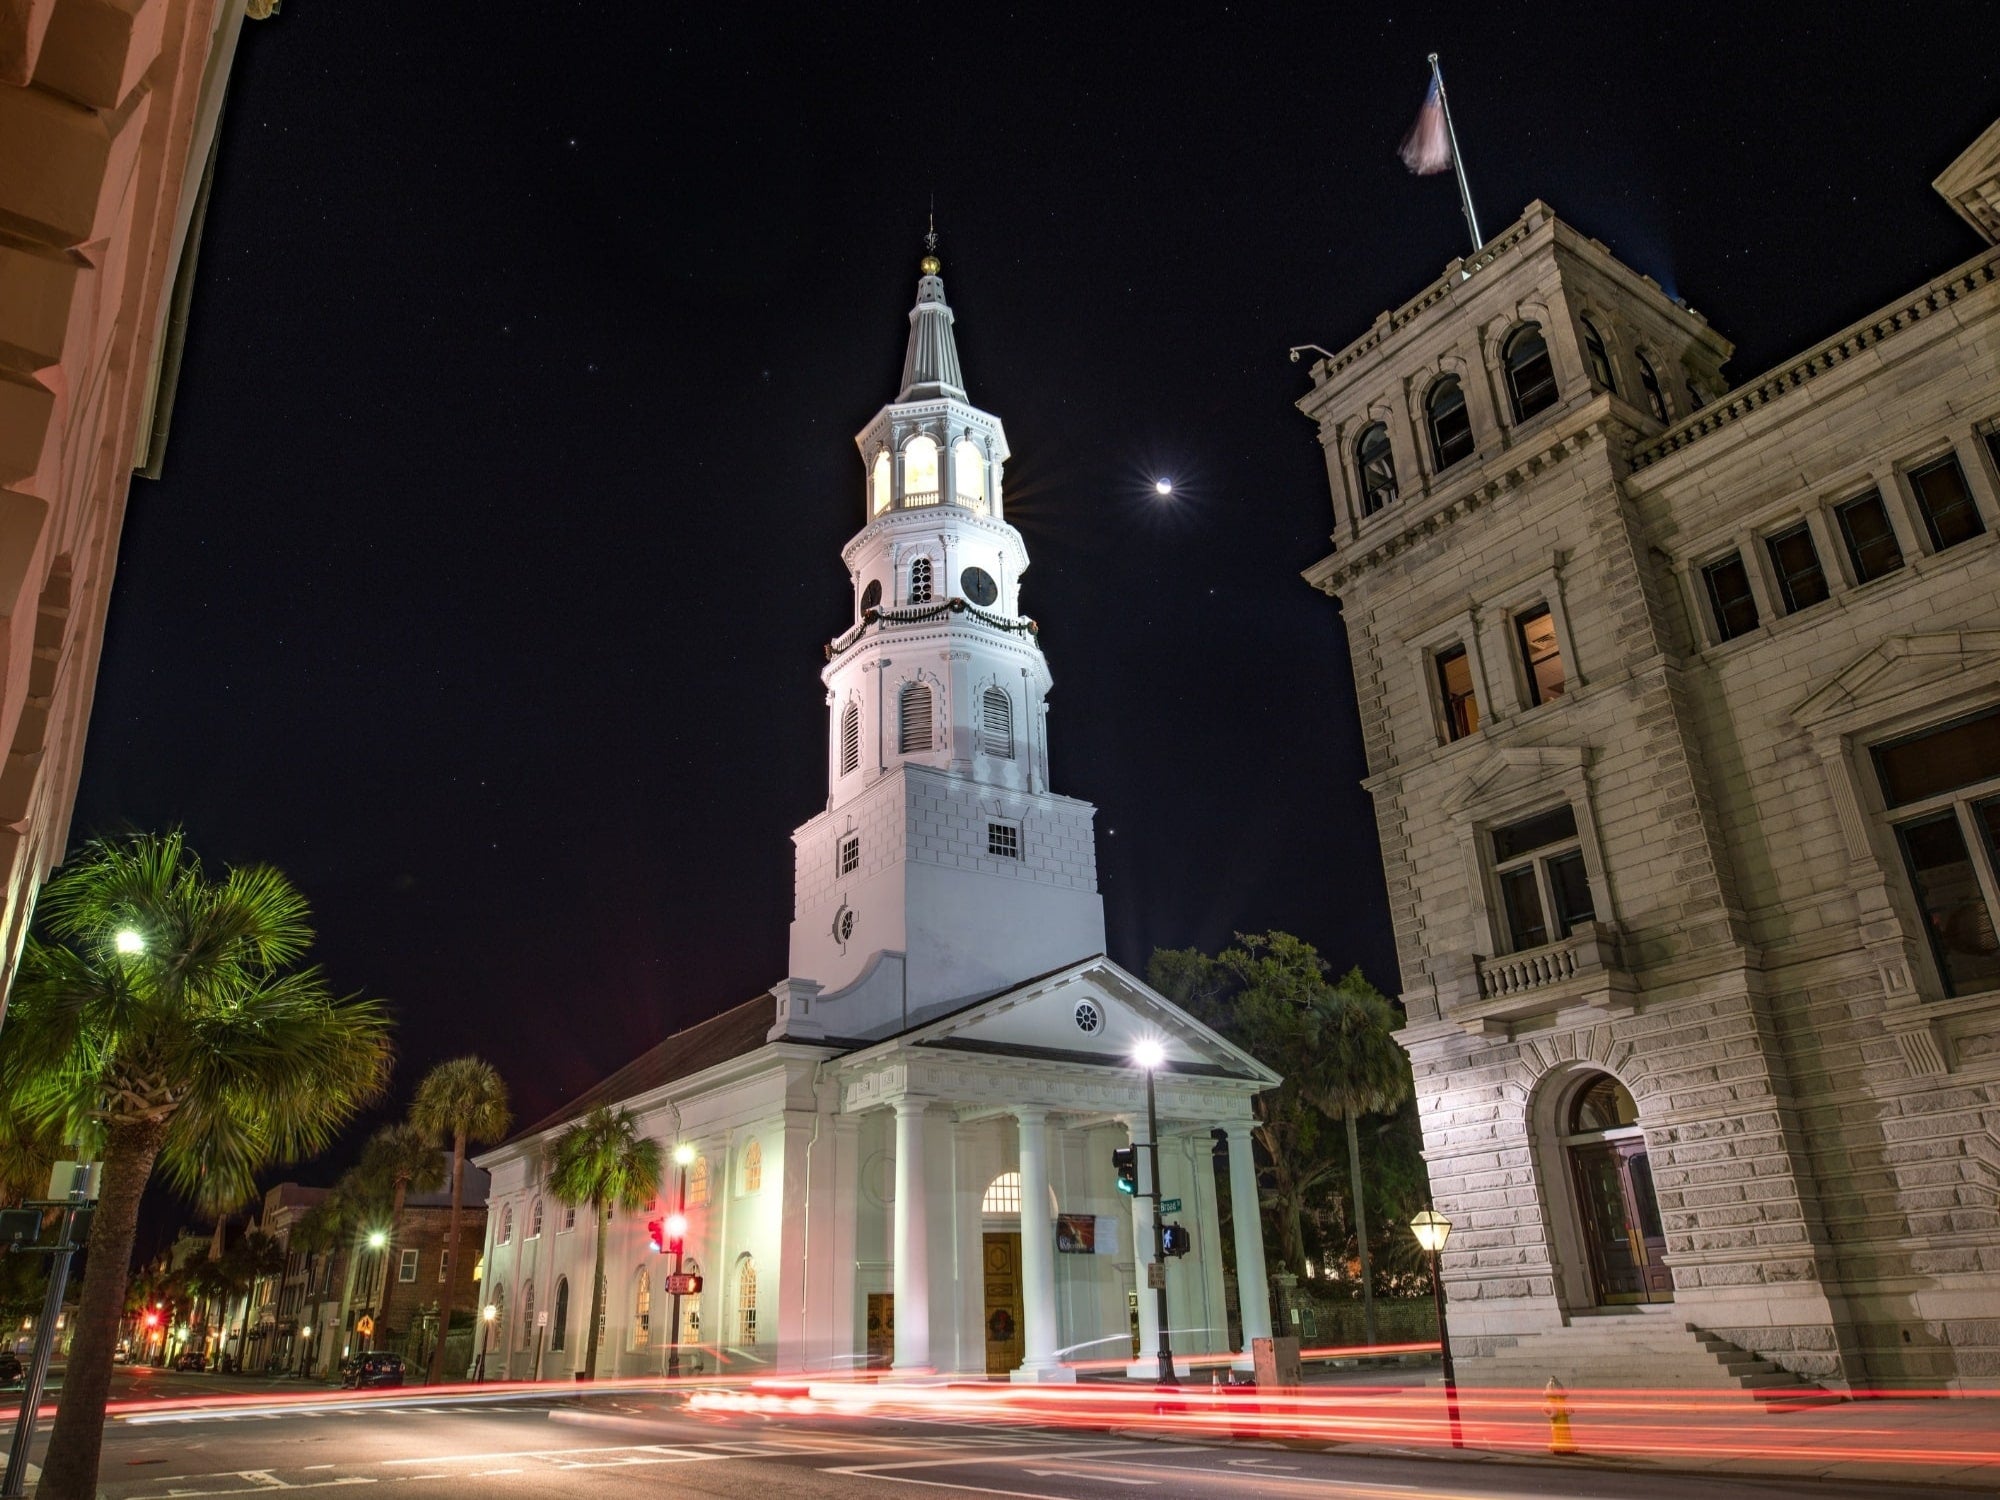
{"x": 979, "y": 586}
{"x": 872, "y": 595}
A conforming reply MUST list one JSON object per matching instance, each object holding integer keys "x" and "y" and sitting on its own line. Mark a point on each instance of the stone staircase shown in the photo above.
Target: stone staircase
{"x": 1633, "y": 1351}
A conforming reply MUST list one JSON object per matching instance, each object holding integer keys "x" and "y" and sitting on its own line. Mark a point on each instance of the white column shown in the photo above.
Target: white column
{"x": 1253, "y": 1292}
{"x": 913, "y": 1281}
{"x": 1038, "y": 1252}
{"x": 1146, "y": 1366}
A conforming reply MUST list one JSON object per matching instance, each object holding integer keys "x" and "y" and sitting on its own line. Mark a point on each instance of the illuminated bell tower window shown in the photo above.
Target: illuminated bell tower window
{"x": 881, "y": 485}
{"x": 920, "y": 471}
{"x": 969, "y": 478}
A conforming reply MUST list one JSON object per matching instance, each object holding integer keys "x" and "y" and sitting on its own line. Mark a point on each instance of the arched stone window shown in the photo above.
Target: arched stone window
{"x": 1531, "y": 378}
{"x": 881, "y": 484}
{"x": 698, "y": 1182}
{"x": 527, "y": 1315}
{"x": 920, "y": 581}
{"x": 920, "y": 471}
{"x": 559, "y": 1323}
{"x": 914, "y": 717}
{"x": 642, "y": 1309}
{"x": 996, "y": 723}
{"x": 1375, "y": 466}
{"x": 1003, "y": 1195}
{"x": 506, "y": 1235}
{"x": 753, "y": 1168}
{"x": 1598, "y": 355}
{"x": 746, "y": 1301}
{"x": 1649, "y": 382}
{"x": 850, "y": 738}
{"x": 1449, "y": 422}
{"x": 969, "y": 478}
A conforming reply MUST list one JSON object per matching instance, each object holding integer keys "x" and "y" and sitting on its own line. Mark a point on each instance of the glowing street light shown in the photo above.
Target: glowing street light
{"x": 1432, "y": 1229}
{"x": 377, "y": 1238}
{"x": 129, "y": 941}
{"x": 1150, "y": 1056}
{"x": 683, "y": 1155}
{"x": 487, "y": 1314}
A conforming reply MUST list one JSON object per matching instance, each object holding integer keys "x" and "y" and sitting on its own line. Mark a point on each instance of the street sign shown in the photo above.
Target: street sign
{"x": 542, "y": 1318}
{"x": 364, "y": 1325}
{"x": 683, "y": 1284}
{"x": 1170, "y": 1205}
{"x": 1156, "y": 1275}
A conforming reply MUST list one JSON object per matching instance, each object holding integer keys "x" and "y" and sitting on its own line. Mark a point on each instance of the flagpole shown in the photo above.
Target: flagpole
{"x": 1457, "y": 159}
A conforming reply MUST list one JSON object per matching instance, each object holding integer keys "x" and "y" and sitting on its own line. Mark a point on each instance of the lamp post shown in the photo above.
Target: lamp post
{"x": 378, "y": 1239}
{"x": 677, "y": 1237}
{"x": 486, "y": 1316}
{"x": 1150, "y": 1055}
{"x": 1432, "y": 1229}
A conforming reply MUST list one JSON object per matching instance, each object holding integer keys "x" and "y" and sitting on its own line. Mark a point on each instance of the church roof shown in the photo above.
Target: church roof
{"x": 732, "y": 1034}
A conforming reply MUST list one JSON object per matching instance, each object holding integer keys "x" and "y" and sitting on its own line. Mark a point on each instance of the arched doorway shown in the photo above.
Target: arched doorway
{"x": 1613, "y": 1179}
{"x": 1000, "y": 1219}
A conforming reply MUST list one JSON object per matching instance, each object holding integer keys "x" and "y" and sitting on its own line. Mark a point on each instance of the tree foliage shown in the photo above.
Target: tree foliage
{"x": 463, "y": 1101}
{"x": 602, "y": 1160}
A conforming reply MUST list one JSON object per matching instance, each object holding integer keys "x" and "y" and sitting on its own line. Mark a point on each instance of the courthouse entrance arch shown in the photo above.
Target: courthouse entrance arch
{"x": 1611, "y": 1175}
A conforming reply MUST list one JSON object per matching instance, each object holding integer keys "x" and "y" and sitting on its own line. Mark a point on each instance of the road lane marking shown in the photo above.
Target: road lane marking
{"x": 1092, "y": 1478}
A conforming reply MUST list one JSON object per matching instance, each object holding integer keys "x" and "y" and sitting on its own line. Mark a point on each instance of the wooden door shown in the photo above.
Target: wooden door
{"x": 1621, "y": 1223}
{"x": 1004, "y": 1346}
{"x": 881, "y": 1330}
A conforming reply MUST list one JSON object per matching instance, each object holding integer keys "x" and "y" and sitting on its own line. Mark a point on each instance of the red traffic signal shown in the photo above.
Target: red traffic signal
{"x": 152, "y": 1319}
{"x": 677, "y": 1228}
{"x": 656, "y": 1235}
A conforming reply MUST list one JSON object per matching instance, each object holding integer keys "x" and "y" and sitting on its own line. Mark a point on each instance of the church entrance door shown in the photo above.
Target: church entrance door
{"x": 1613, "y": 1176}
{"x": 1004, "y": 1346}
{"x": 881, "y": 1330}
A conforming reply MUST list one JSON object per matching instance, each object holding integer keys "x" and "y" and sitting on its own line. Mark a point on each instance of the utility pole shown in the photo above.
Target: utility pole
{"x": 1159, "y": 1261}
{"x": 73, "y": 1225}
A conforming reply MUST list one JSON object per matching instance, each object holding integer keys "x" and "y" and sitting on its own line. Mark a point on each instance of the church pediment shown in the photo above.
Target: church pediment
{"x": 1869, "y": 685}
{"x": 1503, "y": 772}
{"x": 1089, "y": 1012}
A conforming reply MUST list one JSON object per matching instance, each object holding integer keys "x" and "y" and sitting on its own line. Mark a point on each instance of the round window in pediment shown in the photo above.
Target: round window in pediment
{"x": 979, "y": 586}
{"x": 843, "y": 925}
{"x": 1089, "y": 1019}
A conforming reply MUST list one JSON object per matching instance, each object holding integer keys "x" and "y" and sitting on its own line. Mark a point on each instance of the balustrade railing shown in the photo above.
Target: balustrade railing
{"x": 1511, "y": 973}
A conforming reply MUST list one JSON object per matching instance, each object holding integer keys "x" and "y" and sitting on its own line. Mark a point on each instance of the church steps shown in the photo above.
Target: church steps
{"x": 1630, "y": 1352}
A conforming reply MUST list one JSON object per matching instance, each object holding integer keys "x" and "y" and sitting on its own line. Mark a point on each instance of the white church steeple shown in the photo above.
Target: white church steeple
{"x": 943, "y": 869}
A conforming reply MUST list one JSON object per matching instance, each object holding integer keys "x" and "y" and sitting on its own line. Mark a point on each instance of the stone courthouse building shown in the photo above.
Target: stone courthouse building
{"x": 1682, "y": 713}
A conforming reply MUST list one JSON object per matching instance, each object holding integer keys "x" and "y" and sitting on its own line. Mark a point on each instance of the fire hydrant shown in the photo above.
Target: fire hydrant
{"x": 1555, "y": 1406}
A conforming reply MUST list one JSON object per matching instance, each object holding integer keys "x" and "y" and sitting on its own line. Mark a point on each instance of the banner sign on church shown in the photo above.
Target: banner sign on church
{"x": 1086, "y": 1234}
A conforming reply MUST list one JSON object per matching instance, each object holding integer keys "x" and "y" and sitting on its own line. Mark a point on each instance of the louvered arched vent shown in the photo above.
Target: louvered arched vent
{"x": 850, "y": 738}
{"x": 920, "y": 581}
{"x": 914, "y": 736}
{"x": 996, "y": 723}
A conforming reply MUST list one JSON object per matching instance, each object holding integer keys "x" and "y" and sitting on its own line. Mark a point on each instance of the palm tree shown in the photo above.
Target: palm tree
{"x": 165, "y": 1020}
{"x": 602, "y": 1160}
{"x": 247, "y": 1262}
{"x": 1356, "y": 1068}
{"x": 463, "y": 1101}
{"x": 402, "y": 1157}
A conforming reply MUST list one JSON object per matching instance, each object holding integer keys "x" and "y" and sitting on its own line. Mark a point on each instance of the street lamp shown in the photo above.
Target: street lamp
{"x": 378, "y": 1239}
{"x": 1432, "y": 1229}
{"x": 677, "y": 1238}
{"x": 1150, "y": 1056}
{"x": 486, "y": 1316}
{"x": 128, "y": 941}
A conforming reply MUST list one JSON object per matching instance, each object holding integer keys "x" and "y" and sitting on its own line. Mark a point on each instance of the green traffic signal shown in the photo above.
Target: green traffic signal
{"x": 1126, "y": 1160}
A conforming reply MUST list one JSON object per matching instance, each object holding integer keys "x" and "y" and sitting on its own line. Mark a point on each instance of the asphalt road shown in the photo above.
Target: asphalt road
{"x": 615, "y": 1446}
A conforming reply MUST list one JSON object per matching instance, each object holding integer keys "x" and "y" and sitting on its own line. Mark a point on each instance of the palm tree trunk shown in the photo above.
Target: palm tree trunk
{"x": 450, "y": 1255}
{"x": 69, "y": 1468}
{"x": 1361, "y": 1226}
{"x": 596, "y": 1300}
{"x": 389, "y": 1259}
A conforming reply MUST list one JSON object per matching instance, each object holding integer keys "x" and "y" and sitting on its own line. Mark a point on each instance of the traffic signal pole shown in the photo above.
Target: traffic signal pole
{"x": 1167, "y": 1376}
{"x": 14, "y": 1484}
{"x": 674, "y": 1301}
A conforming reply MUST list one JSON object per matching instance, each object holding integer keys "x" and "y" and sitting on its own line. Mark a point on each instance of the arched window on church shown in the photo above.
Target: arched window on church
{"x": 527, "y": 1315}
{"x": 746, "y": 1301}
{"x": 996, "y": 723}
{"x": 642, "y": 1309}
{"x": 880, "y": 491}
{"x": 969, "y": 476}
{"x": 1531, "y": 378}
{"x": 913, "y": 735}
{"x": 1003, "y": 1195}
{"x": 698, "y": 1182}
{"x": 753, "y": 1168}
{"x": 559, "y": 1323}
{"x": 1376, "y": 466}
{"x": 920, "y": 471}
{"x": 920, "y": 581}
{"x": 506, "y": 1234}
{"x": 535, "y": 1219}
{"x": 850, "y": 739}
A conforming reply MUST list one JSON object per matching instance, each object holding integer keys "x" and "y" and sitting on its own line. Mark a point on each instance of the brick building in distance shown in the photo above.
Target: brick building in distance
{"x": 1681, "y": 706}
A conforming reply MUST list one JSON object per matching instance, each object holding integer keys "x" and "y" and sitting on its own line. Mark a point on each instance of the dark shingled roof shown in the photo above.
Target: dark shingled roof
{"x": 734, "y": 1033}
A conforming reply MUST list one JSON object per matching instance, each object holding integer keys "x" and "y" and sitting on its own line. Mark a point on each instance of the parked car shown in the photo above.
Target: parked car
{"x": 376, "y": 1368}
{"x": 12, "y": 1371}
{"x": 190, "y": 1359}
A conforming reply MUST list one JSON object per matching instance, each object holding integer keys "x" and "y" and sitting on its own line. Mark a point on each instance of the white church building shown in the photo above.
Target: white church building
{"x": 901, "y": 1156}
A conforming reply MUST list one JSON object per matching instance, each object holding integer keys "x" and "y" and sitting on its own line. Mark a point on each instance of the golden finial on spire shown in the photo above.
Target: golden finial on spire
{"x": 930, "y": 264}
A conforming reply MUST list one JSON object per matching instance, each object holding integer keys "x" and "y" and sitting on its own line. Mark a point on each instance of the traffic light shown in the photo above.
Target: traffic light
{"x": 1174, "y": 1240}
{"x": 152, "y": 1318}
{"x": 656, "y": 1235}
{"x": 677, "y": 1228}
{"x": 1126, "y": 1160}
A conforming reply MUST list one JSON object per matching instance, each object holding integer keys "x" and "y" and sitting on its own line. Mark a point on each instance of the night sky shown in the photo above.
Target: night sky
{"x": 513, "y": 454}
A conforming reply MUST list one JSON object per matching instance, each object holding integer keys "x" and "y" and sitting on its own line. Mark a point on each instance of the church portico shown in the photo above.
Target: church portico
{"x": 900, "y": 1158}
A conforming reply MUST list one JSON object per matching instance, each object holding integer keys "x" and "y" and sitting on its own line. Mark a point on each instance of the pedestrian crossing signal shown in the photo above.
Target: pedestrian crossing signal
{"x": 1126, "y": 1160}
{"x": 1174, "y": 1240}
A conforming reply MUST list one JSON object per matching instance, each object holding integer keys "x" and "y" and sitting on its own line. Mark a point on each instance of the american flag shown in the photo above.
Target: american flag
{"x": 1426, "y": 150}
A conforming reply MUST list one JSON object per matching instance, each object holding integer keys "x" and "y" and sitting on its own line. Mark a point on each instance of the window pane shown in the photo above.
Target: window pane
{"x": 1569, "y": 888}
{"x": 1455, "y": 694}
{"x": 1600, "y": 361}
{"x": 1525, "y": 927}
{"x": 1538, "y": 832}
{"x": 1531, "y": 379}
{"x": 1956, "y": 918}
{"x": 1378, "y": 469}
{"x": 1729, "y": 596}
{"x": 1801, "y": 581}
{"x": 1871, "y": 540}
{"x": 1949, "y": 514}
{"x": 1649, "y": 381}
{"x": 1940, "y": 760}
{"x": 1541, "y": 654}
{"x": 1451, "y": 425}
